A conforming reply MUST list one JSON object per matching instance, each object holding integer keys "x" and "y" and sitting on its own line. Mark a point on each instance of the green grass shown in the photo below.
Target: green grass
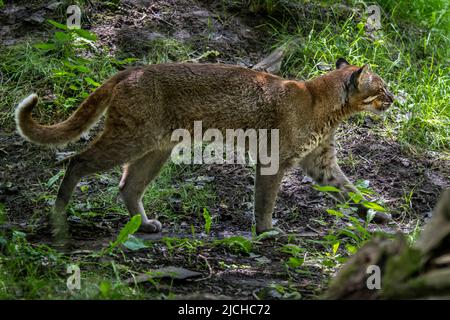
{"x": 25, "y": 69}
{"x": 428, "y": 14}
{"x": 413, "y": 62}
{"x": 65, "y": 70}
{"x": 235, "y": 244}
{"x": 175, "y": 201}
{"x": 21, "y": 267}
{"x": 30, "y": 271}
{"x": 167, "y": 50}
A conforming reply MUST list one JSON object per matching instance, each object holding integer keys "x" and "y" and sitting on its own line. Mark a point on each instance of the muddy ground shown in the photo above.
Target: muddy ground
{"x": 394, "y": 171}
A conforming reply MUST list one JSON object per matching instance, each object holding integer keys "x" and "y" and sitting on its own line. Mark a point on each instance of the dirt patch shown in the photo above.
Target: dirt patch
{"x": 205, "y": 28}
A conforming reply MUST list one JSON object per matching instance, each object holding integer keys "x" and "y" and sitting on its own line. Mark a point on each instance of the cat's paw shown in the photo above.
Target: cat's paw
{"x": 151, "y": 226}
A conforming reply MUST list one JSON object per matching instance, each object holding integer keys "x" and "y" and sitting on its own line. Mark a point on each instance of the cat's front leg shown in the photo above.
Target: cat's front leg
{"x": 321, "y": 165}
{"x": 266, "y": 190}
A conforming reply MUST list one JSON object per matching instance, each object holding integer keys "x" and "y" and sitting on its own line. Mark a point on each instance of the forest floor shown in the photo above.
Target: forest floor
{"x": 230, "y": 260}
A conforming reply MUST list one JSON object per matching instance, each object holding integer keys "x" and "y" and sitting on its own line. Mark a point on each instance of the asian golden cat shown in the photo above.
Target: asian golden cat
{"x": 143, "y": 105}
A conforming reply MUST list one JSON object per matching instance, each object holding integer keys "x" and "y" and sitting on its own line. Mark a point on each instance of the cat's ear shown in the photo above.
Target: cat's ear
{"x": 356, "y": 76}
{"x": 341, "y": 62}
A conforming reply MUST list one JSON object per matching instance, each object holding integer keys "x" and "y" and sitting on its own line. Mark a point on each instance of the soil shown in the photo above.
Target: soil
{"x": 394, "y": 171}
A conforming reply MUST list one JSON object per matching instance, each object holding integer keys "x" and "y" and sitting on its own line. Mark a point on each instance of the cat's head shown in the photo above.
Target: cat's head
{"x": 366, "y": 90}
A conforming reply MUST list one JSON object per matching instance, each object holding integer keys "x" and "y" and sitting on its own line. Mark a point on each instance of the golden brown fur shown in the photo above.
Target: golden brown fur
{"x": 145, "y": 104}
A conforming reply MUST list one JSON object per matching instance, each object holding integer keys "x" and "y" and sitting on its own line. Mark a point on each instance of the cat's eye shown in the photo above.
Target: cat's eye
{"x": 369, "y": 99}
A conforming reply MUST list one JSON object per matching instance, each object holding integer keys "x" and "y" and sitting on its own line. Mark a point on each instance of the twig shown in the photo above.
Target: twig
{"x": 315, "y": 230}
{"x": 209, "y": 268}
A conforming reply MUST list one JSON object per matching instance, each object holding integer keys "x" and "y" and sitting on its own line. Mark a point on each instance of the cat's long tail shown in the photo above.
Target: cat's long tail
{"x": 70, "y": 130}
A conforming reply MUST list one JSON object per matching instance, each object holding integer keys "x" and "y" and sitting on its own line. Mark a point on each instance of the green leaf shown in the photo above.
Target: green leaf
{"x": 86, "y": 34}
{"x": 236, "y": 244}
{"x": 105, "y": 288}
{"x": 336, "y": 247}
{"x": 55, "y": 178}
{"x": 62, "y": 36}
{"x": 78, "y": 67}
{"x": 295, "y": 262}
{"x": 355, "y": 197}
{"x": 124, "y": 61}
{"x": 2, "y": 213}
{"x": 351, "y": 249}
{"x": 19, "y": 235}
{"x": 291, "y": 249}
{"x": 363, "y": 187}
{"x": 349, "y": 233}
{"x": 267, "y": 235}
{"x": 329, "y": 263}
{"x": 45, "y": 46}
{"x": 373, "y": 206}
{"x": 335, "y": 213}
{"x": 57, "y": 24}
{"x": 62, "y": 73}
{"x": 208, "y": 220}
{"x": 360, "y": 26}
{"x": 134, "y": 243}
{"x": 327, "y": 188}
{"x": 370, "y": 215}
{"x": 130, "y": 228}
{"x": 92, "y": 82}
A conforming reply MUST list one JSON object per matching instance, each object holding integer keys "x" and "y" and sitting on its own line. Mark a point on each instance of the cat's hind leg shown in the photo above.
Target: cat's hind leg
{"x": 136, "y": 177}
{"x": 102, "y": 155}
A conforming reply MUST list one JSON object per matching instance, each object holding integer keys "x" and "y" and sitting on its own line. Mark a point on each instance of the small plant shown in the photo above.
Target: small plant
{"x": 173, "y": 201}
{"x": 261, "y": 6}
{"x": 167, "y": 50}
{"x": 133, "y": 243}
{"x": 295, "y": 252}
{"x": 186, "y": 245}
{"x": 208, "y": 220}
{"x": 55, "y": 178}
{"x": 354, "y": 233}
{"x": 130, "y": 228}
{"x": 284, "y": 292}
{"x": 72, "y": 69}
{"x": 235, "y": 244}
{"x": 66, "y": 41}
{"x": 26, "y": 269}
